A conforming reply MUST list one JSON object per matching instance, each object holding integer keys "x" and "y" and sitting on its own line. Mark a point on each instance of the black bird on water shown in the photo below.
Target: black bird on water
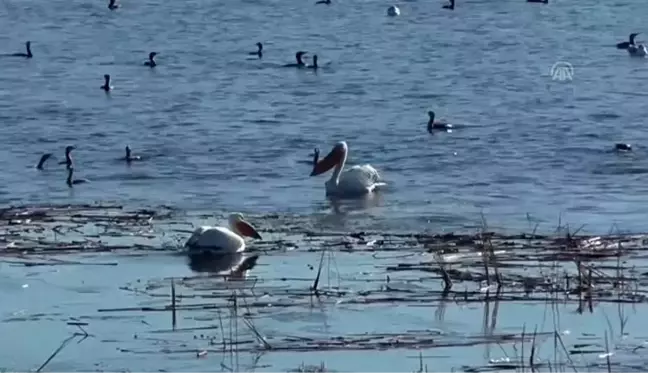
{"x": 26, "y": 55}
{"x": 130, "y": 158}
{"x": 151, "y": 60}
{"x": 450, "y": 6}
{"x": 43, "y": 159}
{"x": 626, "y": 44}
{"x": 432, "y": 125}
{"x": 327, "y": 2}
{"x": 538, "y": 1}
{"x": 623, "y": 147}
{"x": 71, "y": 181}
{"x": 259, "y": 52}
{"x": 314, "y": 65}
{"x": 68, "y": 157}
{"x": 112, "y": 5}
{"x": 300, "y": 63}
{"x": 106, "y": 87}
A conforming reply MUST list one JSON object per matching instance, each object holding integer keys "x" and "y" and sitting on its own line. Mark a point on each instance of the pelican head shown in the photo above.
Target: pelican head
{"x": 241, "y": 227}
{"x": 333, "y": 158}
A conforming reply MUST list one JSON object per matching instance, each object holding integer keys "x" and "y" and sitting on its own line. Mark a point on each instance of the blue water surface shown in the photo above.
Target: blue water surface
{"x": 221, "y": 130}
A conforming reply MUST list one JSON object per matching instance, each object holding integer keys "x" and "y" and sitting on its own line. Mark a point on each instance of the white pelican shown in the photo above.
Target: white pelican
{"x": 393, "y": 11}
{"x": 638, "y": 50}
{"x": 356, "y": 181}
{"x": 222, "y": 240}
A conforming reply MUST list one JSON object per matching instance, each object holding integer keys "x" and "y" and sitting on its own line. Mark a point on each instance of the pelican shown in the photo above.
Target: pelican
{"x": 638, "y": 50}
{"x": 356, "y": 181}
{"x": 221, "y": 239}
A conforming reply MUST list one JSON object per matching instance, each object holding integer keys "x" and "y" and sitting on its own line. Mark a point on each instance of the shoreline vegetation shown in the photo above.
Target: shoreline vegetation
{"x": 483, "y": 267}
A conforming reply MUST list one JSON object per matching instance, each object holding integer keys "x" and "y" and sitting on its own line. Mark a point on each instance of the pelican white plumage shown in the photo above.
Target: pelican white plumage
{"x": 393, "y": 11}
{"x": 355, "y": 181}
{"x": 223, "y": 240}
{"x": 637, "y": 50}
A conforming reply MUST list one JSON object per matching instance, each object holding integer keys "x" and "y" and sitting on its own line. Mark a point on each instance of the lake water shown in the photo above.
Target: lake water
{"x": 222, "y": 131}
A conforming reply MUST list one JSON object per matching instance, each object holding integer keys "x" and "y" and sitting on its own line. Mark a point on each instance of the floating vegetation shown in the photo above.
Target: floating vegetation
{"x": 406, "y": 269}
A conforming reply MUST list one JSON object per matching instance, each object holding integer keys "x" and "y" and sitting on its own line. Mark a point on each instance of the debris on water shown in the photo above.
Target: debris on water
{"x": 404, "y": 269}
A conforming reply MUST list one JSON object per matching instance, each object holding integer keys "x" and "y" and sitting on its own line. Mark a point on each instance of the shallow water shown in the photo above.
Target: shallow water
{"x": 385, "y": 317}
{"x": 44, "y": 298}
{"x": 223, "y": 131}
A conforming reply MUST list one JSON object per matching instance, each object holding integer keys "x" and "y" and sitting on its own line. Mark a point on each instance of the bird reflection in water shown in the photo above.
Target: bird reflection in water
{"x": 342, "y": 206}
{"x": 234, "y": 266}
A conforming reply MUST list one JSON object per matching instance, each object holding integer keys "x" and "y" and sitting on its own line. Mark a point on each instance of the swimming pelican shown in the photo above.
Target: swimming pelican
{"x": 356, "y": 181}
{"x": 393, "y": 11}
{"x": 638, "y": 50}
{"x": 221, "y": 239}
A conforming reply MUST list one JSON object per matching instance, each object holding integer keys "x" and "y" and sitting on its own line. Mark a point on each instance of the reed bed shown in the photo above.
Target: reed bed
{"x": 407, "y": 268}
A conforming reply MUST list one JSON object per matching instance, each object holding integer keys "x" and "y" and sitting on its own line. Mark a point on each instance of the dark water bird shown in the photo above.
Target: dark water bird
{"x": 637, "y": 50}
{"x": 450, "y": 6}
{"x": 259, "y": 52}
{"x": 106, "y": 87}
{"x": 432, "y": 125}
{"x": 538, "y": 1}
{"x": 327, "y": 2}
{"x": 112, "y": 5}
{"x": 314, "y": 65}
{"x": 130, "y": 158}
{"x": 43, "y": 159}
{"x": 300, "y": 63}
{"x": 26, "y": 55}
{"x": 71, "y": 181}
{"x": 623, "y": 147}
{"x": 68, "y": 157}
{"x": 151, "y": 60}
{"x": 315, "y": 156}
{"x": 631, "y": 41}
